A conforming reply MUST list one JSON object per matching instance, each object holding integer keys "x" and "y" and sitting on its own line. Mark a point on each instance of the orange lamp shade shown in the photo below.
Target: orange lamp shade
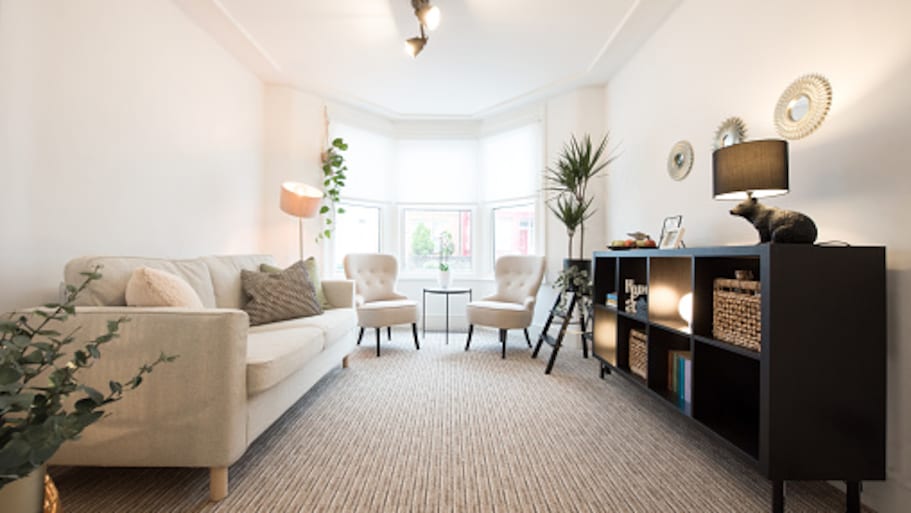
{"x": 300, "y": 199}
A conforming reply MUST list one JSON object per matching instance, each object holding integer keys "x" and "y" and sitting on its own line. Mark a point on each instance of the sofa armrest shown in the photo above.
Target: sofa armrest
{"x": 339, "y": 293}
{"x": 188, "y": 413}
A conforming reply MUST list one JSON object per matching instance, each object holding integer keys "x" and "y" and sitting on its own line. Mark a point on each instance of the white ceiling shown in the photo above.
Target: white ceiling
{"x": 487, "y": 55}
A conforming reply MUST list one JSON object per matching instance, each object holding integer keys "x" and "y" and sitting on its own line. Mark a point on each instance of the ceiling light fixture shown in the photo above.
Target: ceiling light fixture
{"x": 428, "y": 16}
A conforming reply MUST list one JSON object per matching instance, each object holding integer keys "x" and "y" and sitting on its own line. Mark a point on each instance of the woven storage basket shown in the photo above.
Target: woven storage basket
{"x": 638, "y": 354}
{"x": 736, "y": 317}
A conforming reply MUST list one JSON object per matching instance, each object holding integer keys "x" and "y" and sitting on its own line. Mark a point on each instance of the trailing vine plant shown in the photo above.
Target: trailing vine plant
{"x": 334, "y": 177}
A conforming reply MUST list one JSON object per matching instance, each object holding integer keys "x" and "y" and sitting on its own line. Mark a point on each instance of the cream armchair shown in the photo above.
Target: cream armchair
{"x": 513, "y": 305}
{"x": 378, "y": 304}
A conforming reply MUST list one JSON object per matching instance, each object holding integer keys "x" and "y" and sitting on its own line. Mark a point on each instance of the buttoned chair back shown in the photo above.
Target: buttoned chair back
{"x": 378, "y": 304}
{"x": 374, "y": 275}
{"x": 518, "y": 278}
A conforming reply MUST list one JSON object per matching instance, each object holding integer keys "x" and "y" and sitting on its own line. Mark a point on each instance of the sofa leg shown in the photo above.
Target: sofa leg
{"x": 345, "y": 362}
{"x": 414, "y": 331}
{"x": 470, "y": 331}
{"x": 218, "y": 483}
{"x": 503, "y": 341}
{"x": 378, "y": 342}
{"x": 360, "y": 336}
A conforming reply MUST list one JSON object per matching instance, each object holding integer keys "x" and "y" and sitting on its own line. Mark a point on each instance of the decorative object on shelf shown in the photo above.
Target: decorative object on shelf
{"x": 803, "y": 106}
{"x": 638, "y": 240}
{"x": 301, "y": 201}
{"x": 642, "y": 306}
{"x": 428, "y": 16}
{"x": 760, "y": 169}
{"x": 685, "y": 309}
{"x": 567, "y": 184}
{"x": 731, "y": 131}
{"x": 638, "y": 353}
{"x": 35, "y": 422}
{"x": 680, "y": 160}
{"x": 672, "y": 239}
{"x": 633, "y": 290}
{"x": 670, "y": 223}
{"x": 736, "y": 312}
{"x": 743, "y": 274}
{"x": 447, "y": 248}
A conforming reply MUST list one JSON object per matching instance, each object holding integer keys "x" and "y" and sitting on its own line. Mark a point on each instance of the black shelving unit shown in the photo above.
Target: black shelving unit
{"x": 811, "y": 403}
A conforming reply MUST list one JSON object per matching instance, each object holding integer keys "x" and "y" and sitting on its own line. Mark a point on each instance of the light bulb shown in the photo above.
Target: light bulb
{"x": 685, "y": 308}
{"x": 430, "y": 17}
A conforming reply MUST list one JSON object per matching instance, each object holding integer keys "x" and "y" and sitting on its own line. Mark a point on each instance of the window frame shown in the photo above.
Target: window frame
{"x": 492, "y": 207}
{"x": 331, "y": 248}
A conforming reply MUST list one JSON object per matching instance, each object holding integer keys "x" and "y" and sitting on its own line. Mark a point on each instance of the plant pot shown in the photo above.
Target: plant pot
{"x": 24, "y": 495}
{"x": 444, "y": 279}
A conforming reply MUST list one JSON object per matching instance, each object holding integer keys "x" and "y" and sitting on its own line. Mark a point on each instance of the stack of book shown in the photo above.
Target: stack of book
{"x": 680, "y": 375}
{"x": 611, "y": 299}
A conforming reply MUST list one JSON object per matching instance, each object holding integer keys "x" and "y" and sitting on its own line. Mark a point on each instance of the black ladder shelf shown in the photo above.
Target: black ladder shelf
{"x": 565, "y": 316}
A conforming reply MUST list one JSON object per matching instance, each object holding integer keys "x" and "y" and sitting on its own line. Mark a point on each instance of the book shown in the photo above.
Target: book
{"x": 688, "y": 382}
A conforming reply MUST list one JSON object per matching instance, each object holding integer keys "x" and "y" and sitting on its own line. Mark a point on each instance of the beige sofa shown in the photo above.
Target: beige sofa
{"x": 230, "y": 382}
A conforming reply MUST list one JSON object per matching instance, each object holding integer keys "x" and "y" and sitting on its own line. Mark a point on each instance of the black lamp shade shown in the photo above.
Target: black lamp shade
{"x": 756, "y": 168}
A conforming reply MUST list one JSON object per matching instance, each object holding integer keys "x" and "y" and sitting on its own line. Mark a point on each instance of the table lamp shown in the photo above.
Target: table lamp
{"x": 301, "y": 201}
{"x": 755, "y": 169}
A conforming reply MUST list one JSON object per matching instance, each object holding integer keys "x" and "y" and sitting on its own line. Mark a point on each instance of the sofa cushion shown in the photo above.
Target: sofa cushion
{"x": 279, "y": 296}
{"x": 225, "y": 272}
{"x": 154, "y": 287}
{"x": 273, "y": 354}
{"x": 110, "y": 290}
{"x": 335, "y": 324}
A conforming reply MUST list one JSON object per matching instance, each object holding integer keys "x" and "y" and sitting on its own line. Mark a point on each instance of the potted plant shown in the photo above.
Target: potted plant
{"x": 334, "y": 177}
{"x": 447, "y": 248}
{"x": 567, "y": 183}
{"x": 42, "y": 403}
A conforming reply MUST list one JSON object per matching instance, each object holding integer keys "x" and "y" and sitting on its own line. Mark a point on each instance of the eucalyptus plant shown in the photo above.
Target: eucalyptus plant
{"x": 334, "y": 176}
{"x": 567, "y": 182}
{"x": 37, "y": 377}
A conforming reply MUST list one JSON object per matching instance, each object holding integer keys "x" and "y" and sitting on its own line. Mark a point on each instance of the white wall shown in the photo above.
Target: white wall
{"x": 294, "y": 139}
{"x": 124, "y": 129}
{"x": 713, "y": 59}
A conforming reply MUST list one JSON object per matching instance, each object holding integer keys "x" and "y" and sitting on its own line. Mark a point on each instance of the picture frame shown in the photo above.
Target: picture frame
{"x": 671, "y": 239}
{"x": 670, "y": 223}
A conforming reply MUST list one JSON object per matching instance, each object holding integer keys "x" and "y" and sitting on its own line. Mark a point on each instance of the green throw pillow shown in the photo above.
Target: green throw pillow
{"x": 272, "y": 297}
{"x": 312, "y": 272}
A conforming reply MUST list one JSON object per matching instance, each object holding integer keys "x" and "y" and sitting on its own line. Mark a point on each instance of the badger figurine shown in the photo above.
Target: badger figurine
{"x": 775, "y": 224}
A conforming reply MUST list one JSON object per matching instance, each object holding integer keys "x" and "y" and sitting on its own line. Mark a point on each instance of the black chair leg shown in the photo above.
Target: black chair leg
{"x": 503, "y": 341}
{"x": 360, "y": 336}
{"x": 388, "y": 332}
{"x": 378, "y": 342}
{"x": 527, "y": 339}
{"x": 414, "y": 331}
{"x": 470, "y": 331}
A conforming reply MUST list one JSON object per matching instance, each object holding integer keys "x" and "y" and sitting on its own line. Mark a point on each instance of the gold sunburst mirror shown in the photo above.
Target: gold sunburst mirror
{"x": 680, "y": 160}
{"x": 803, "y": 106}
{"x": 731, "y": 131}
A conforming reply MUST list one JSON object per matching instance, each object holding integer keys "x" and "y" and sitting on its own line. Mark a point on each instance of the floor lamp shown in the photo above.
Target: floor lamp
{"x": 301, "y": 201}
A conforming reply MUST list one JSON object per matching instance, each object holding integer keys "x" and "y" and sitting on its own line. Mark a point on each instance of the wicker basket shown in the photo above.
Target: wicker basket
{"x": 736, "y": 313}
{"x": 638, "y": 354}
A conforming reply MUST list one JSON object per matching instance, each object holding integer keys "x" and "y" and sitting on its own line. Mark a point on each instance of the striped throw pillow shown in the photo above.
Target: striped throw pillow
{"x": 273, "y": 297}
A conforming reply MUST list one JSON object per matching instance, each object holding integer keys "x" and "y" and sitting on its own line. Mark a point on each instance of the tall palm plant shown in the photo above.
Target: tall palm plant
{"x": 567, "y": 183}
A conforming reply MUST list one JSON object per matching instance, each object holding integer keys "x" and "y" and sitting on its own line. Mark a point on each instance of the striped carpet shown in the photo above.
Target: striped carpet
{"x": 442, "y": 430}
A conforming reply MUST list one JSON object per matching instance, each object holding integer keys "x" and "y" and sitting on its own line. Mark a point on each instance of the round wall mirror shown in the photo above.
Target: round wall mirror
{"x": 803, "y": 106}
{"x": 680, "y": 160}
{"x": 798, "y": 107}
{"x": 731, "y": 131}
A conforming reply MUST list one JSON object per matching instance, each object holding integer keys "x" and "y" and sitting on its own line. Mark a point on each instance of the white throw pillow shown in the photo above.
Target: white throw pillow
{"x": 153, "y": 287}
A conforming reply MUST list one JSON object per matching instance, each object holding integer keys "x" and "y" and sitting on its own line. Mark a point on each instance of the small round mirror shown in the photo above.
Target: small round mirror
{"x": 727, "y": 140}
{"x": 680, "y": 160}
{"x": 731, "y": 131}
{"x": 798, "y": 107}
